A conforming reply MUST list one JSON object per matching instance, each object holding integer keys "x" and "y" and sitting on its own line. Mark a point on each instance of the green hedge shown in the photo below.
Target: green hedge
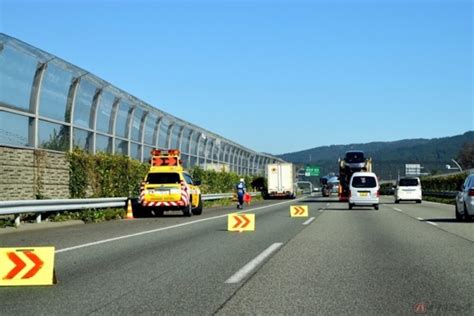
{"x": 386, "y": 189}
{"x": 107, "y": 175}
{"x": 218, "y": 182}
{"x": 104, "y": 175}
{"x": 433, "y": 183}
{"x": 443, "y": 183}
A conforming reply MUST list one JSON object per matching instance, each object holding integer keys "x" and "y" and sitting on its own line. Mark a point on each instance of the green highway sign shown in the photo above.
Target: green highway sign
{"x": 311, "y": 171}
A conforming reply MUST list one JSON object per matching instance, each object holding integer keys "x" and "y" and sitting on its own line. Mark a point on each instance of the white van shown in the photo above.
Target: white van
{"x": 364, "y": 190}
{"x": 408, "y": 189}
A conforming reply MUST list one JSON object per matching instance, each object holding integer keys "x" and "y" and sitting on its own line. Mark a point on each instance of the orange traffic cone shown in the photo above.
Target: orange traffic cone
{"x": 129, "y": 211}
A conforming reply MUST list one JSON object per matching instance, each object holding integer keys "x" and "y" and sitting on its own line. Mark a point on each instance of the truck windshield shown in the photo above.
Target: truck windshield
{"x": 408, "y": 182}
{"x": 354, "y": 157}
{"x": 364, "y": 182}
{"x": 162, "y": 178}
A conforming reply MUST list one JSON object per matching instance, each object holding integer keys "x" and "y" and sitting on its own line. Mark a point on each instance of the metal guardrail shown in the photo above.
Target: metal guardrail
{"x": 444, "y": 194}
{"x": 216, "y": 196}
{"x": 440, "y": 194}
{"x": 38, "y": 207}
{"x": 41, "y": 206}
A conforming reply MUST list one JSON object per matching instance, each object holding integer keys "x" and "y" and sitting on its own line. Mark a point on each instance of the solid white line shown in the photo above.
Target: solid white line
{"x": 249, "y": 267}
{"x": 328, "y": 204}
{"x": 432, "y": 223}
{"x": 397, "y": 209}
{"x": 419, "y": 218}
{"x": 308, "y": 221}
{"x": 321, "y": 210}
{"x": 164, "y": 228}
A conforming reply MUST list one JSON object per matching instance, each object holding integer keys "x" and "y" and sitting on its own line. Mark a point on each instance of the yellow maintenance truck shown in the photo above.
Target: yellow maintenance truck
{"x": 168, "y": 187}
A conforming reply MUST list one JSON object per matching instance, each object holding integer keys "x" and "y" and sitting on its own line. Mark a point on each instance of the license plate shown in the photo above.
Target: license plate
{"x": 363, "y": 193}
{"x": 162, "y": 192}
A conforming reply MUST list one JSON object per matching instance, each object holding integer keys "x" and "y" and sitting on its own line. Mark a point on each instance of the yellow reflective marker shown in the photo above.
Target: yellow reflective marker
{"x": 26, "y": 266}
{"x": 299, "y": 210}
{"x": 240, "y": 222}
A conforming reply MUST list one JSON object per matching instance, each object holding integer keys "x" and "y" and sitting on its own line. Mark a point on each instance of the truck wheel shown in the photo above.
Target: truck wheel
{"x": 418, "y": 201}
{"x": 188, "y": 210}
{"x": 376, "y": 207}
{"x": 198, "y": 209}
{"x": 397, "y": 201}
{"x": 351, "y": 206}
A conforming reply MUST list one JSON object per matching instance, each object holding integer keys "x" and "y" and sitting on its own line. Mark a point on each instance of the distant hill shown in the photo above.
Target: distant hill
{"x": 389, "y": 158}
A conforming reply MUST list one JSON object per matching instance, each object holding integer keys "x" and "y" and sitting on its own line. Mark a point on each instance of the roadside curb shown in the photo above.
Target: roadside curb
{"x": 37, "y": 226}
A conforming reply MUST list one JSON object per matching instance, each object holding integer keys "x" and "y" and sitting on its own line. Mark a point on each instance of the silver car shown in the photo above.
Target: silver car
{"x": 465, "y": 199}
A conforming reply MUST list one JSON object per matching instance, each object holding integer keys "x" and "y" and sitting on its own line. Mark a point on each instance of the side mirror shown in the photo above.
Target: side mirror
{"x": 197, "y": 182}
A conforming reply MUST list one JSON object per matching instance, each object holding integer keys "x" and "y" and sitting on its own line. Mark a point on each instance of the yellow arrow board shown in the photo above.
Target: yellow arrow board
{"x": 299, "y": 210}
{"x": 26, "y": 266}
{"x": 240, "y": 222}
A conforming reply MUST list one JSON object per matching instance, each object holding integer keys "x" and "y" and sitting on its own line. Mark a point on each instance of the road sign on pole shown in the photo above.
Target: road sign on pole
{"x": 312, "y": 171}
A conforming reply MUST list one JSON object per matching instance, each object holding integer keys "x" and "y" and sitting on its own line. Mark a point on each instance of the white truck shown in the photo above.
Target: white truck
{"x": 281, "y": 180}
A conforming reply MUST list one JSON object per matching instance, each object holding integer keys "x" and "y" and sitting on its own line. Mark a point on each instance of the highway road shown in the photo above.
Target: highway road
{"x": 402, "y": 259}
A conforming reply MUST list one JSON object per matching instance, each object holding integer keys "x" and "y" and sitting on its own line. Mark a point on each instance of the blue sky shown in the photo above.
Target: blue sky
{"x": 274, "y": 76}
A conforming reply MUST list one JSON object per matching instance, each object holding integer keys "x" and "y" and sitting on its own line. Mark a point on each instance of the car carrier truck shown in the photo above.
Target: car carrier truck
{"x": 353, "y": 161}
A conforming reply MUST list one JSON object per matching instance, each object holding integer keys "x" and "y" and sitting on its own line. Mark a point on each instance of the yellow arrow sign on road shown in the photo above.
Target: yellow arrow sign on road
{"x": 240, "y": 222}
{"x": 299, "y": 210}
{"x": 26, "y": 266}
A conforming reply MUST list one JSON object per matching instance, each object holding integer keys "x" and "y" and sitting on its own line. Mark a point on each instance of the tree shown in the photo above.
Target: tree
{"x": 57, "y": 140}
{"x": 466, "y": 155}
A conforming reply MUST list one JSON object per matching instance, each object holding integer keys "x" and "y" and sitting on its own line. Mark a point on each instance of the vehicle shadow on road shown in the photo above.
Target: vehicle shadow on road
{"x": 443, "y": 220}
{"x": 320, "y": 201}
{"x": 355, "y": 209}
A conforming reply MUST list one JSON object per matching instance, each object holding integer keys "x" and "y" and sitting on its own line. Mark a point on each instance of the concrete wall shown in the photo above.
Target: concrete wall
{"x": 26, "y": 174}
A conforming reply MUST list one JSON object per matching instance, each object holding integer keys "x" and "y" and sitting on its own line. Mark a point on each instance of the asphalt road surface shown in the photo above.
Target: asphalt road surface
{"x": 403, "y": 259}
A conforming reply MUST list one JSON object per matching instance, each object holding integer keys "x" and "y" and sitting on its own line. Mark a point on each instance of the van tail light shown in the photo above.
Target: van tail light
{"x": 470, "y": 192}
{"x": 378, "y": 193}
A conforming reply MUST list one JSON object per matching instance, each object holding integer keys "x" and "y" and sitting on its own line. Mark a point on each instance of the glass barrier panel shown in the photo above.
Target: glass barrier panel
{"x": 54, "y": 93}
{"x": 17, "y": 71}
{"x": 13, "y": 129}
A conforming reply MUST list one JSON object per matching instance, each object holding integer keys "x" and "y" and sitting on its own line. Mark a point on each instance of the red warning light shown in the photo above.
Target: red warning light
{"x": 173, "y": 152}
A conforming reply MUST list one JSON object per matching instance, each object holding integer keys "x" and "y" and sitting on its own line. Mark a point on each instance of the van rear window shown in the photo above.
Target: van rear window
{"x": 364, "y": 182}
{"x": 408, "y": 182}
{"x": 163, "y": 178}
